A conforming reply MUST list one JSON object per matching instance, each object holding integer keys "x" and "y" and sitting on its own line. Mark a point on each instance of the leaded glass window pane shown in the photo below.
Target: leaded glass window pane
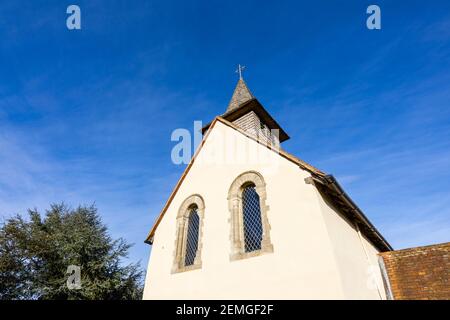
{"x": 192, "y": 237}
{"x": 253, "y": 231}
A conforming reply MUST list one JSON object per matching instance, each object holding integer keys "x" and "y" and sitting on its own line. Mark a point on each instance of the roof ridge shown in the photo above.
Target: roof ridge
{"x": 283, "y": 153}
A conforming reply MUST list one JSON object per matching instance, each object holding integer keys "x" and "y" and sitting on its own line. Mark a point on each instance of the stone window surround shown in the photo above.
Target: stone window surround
{"x": 181, "y": 234}
{"x": 236, "y": 216}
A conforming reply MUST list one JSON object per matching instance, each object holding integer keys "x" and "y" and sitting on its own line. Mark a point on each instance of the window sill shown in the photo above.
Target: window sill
{"x": 256, "y": 253}
{"x": 188, "y": 268}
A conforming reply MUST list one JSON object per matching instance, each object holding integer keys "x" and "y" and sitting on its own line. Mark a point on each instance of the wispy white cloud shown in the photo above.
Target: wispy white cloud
{"x": 110, "y": 150}
{"x": 387, "y": 145}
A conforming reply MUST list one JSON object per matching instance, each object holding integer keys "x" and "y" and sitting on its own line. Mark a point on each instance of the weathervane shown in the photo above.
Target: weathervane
{"x": 239, "y": 70}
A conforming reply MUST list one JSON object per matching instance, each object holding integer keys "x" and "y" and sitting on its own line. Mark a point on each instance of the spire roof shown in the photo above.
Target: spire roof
{"x": 241, "y": 94}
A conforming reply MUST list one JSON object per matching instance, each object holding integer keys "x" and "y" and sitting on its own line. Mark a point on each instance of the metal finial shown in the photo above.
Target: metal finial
{"x": 239, "y": 70}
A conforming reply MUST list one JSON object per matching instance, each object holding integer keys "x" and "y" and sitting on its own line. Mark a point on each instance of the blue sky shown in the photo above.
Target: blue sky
{"x": 86, "y": 116}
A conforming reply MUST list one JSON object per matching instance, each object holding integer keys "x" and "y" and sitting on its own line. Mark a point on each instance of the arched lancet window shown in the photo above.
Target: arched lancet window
{"x": 192, "y": 236}
{"x": 188, "y": 245}
{"x": 251, "y": 211}
{"x": 250, "y": 228}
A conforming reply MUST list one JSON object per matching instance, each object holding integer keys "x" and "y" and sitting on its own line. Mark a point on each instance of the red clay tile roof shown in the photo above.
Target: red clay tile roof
{"x": 421, "y": 273}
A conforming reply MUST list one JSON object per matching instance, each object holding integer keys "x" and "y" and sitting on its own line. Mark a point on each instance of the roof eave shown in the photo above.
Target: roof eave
{"x": 330, "y": 182}
{"x": 257, "y": 107}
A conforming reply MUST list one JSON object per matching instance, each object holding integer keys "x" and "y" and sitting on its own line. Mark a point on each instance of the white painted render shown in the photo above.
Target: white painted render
{"x": 349, "y": 249}
{"x": 317, "y": 254}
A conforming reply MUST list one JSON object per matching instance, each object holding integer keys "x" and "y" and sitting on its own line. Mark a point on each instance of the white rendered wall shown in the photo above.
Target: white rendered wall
{"x": 305, "y": 263}
{"x": 356, "y": 257}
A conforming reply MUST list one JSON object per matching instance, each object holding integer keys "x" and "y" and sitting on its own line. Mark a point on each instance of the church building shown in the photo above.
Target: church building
{"x": 248, "y": 220}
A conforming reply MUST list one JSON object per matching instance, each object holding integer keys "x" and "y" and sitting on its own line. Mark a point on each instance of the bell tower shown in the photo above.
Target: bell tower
{"x": 248, "y": 114}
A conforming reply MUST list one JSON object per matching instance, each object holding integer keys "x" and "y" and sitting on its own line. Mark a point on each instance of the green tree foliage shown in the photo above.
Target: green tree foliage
{"x": 35, "y": 254}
